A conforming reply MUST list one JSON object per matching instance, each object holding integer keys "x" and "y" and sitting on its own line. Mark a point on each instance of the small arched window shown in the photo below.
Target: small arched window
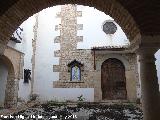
{"x": 76, "y": 73}
{"x": 75, "y": 68}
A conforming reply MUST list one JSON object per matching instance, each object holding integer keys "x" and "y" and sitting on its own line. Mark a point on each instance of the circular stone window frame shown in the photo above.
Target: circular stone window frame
{"x": 113, "y": 23}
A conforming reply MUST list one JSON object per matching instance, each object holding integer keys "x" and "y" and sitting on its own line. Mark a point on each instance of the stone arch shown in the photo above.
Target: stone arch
{"x": 8, "y": 63}
{"x": 23, "y": 9}
{"x": 119, "y": 57}
{"x": 9, "y": 91}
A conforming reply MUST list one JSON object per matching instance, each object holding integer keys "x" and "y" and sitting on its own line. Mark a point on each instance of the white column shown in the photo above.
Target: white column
{"x": 34, "y": 43}
{"x": 149, "y": 84}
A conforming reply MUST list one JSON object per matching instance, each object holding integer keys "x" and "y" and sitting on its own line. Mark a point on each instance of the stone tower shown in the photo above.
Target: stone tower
{"x": 68, "y": 39}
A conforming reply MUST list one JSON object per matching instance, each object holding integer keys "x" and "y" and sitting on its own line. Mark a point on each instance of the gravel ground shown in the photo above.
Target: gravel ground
{"x": 81, "y": 111}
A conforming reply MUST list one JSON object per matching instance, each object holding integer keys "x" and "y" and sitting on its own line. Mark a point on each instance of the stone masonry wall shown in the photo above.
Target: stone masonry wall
{"x": 86, "y": 58}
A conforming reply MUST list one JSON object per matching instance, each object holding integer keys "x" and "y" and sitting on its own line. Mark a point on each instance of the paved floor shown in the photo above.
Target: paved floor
{"x": 81, "y": 111}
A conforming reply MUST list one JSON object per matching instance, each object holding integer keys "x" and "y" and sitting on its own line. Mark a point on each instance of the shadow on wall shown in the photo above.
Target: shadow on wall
{"x": 3, "y": 82}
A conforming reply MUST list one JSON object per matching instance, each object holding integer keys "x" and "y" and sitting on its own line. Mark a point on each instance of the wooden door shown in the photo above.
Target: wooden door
{"x": 113, "y": 80}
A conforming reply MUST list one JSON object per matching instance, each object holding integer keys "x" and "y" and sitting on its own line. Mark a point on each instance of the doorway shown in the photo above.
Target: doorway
{"x": 113, "y": 80}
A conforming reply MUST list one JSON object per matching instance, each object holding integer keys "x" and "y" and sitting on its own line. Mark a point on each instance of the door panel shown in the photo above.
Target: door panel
{"x": 113, "y": 80}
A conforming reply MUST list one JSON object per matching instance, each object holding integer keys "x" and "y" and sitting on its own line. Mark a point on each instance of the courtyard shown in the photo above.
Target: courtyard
{"x": 102, "y": 50}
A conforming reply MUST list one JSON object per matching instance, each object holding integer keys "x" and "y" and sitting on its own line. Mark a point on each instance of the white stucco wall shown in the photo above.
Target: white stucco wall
{"x": 64, "y": 94}
{"x": 3, "y": 81}
{"x": 92, "y": 20}
{"x": 44, "y": 75}
{"x": 24, "y": 88}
